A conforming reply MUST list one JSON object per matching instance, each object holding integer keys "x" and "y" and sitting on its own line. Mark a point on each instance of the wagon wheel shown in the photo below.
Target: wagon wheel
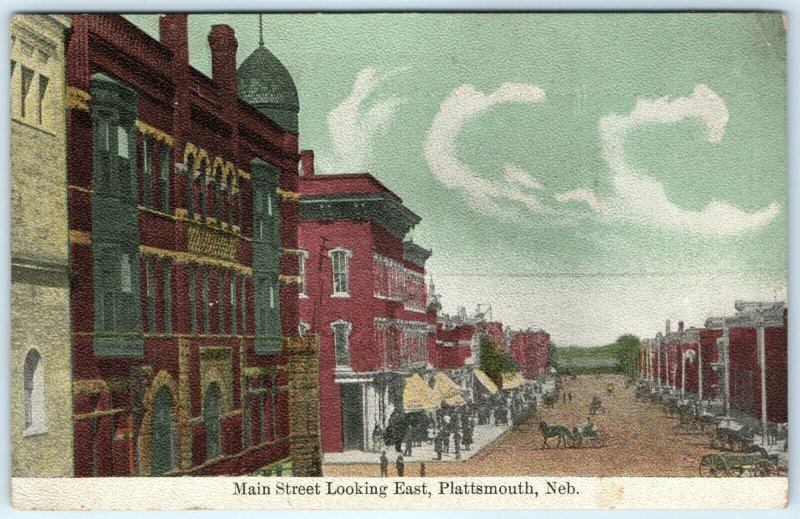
{"x": 763, "y": 468}
{"x": 712, "y": 465}
{"x": 735, "y": 471}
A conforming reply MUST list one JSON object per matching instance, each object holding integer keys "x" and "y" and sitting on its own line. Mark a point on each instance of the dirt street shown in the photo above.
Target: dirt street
{"x": 641, "y": 441}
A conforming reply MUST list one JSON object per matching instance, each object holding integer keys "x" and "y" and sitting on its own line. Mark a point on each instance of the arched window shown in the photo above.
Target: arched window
{"x": 161, "y": 433}
{"x": 33, "y": 384}
{"x": 201, "y": 187}
{"x": 212, "y": 404}
{"x": 190, "y": 185}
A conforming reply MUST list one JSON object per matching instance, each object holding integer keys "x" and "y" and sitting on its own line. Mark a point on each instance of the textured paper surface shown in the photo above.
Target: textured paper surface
{"x": 526, "y": 250}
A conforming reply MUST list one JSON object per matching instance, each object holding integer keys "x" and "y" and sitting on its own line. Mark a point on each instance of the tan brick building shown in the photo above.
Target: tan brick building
{"x": 41, "y": 403}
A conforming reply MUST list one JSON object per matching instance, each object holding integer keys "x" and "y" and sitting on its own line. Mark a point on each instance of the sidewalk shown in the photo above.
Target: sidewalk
{"x": 482, "y": 436}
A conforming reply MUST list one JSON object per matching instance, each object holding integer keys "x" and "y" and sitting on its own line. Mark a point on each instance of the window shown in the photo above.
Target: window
{"x": 27, "y": 79}
{"x": 220, "y": 302}
{"x": 147, "y": 171}
{"x": 340, "y": 259}
{"x": 166, "y": 273}
{"x": 303, "y": 257}
{"x": 212, "y": 407}
{"x": 192, "y": 298}
{"x": 161, "y": 456}
{"x": 201, "y": 184}
{"x": 190, "y": 185}
{"x": 205, "y": 302}
{"x": 125, "y": 274}
{"x": 243, "y": 285}
{"x": 233, "y": 298}
{"x": 151, "y": 294}
{"x": 218, "y": 194}
{"x": 122, "y": 143}
{"x": 303, "y": 328}
{"x": 33, "y": 386}
{"x": 43, "y": 82}
{"x": 164, "y": 177}
{"x": 341, "y": 343}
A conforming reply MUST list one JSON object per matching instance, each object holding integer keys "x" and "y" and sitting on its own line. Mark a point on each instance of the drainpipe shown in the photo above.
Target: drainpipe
{"x": 727, "y": 366}
{"x": 762, "y": 363}
{"x": 699, "y": 369}
{"x": 683, "y": 373}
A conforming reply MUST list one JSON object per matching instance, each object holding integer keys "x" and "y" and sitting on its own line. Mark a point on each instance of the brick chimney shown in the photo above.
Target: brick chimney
{"x": 307, "y": 163}
{"x": 680, "y": 326}
{"x": 668, "y": 326}
{"x": 174, "y": 34}
{"x": 222, "y": 40}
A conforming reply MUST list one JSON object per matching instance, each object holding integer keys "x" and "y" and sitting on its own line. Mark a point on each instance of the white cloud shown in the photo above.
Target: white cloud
{"x": 583, "y": 195}
{"x": 642, "y": 198}
{"x": 353, "y": 125}
{"x": 483, "y": 195}
{"x": 516, "y": 175}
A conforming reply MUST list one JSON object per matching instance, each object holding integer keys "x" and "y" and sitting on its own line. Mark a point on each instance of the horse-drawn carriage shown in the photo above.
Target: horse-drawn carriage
{"x": 758, "y": 464}
{"x": 584, "y": 436}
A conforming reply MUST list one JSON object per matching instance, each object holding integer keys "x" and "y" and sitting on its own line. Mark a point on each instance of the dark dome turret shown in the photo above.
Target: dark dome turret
{"x": 265, "y": 83}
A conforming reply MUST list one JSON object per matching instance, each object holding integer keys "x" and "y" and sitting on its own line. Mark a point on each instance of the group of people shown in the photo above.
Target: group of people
{"x": 450, "y": 429}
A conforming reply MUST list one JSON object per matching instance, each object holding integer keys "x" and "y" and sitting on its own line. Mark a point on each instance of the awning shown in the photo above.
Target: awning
{"x": 513, "y": 380}
{"x": 447, "y": 390}
{"x": 417, "y": 395}
{"x": 485, "y": 381}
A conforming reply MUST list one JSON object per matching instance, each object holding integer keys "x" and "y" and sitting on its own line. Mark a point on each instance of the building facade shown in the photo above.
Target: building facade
{"x": 41, "y": 417}
{"x": 531, "y": 350}
{"x": 183, "y": 239}
{"x": 364, "y": 295}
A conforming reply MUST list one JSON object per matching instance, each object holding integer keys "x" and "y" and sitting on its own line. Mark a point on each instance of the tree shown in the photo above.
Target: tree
{"x": 494, "y": 361}
{"x": 626, "y": 349}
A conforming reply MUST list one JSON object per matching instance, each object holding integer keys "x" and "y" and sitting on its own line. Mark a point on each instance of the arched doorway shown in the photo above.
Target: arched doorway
{"x": 33, "y": 385}
{"x": 212, "y": 404}
{"x": 161, "y": 433}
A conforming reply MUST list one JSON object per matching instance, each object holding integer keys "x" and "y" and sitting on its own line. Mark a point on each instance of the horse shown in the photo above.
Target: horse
{"x": 550, "y": 431}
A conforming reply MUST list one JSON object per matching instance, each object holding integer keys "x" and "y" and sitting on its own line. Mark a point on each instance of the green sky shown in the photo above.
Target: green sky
{"x": 689, "y": 187}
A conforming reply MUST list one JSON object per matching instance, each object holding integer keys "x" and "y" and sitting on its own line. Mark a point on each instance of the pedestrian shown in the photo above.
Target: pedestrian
{"x": 409, "y": 439}
{"x": 377, "y": 437}
{"x": 569, "y": 397}
{"x": 564, "y": 397}
{"x": 457, "y": 444}
{"x": 437, "y": 446}
{"x": 384, "y": 465}
{"x": 400, "y": 466}
{"x": 422, "y": 469}
{"x": 446, "y": 440}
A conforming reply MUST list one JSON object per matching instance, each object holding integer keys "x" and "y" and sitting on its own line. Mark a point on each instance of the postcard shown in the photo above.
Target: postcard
{"x": 399, "y": 260}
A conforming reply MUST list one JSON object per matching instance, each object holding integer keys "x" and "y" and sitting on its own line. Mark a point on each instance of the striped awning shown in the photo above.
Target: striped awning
{"x": 485, "y": 381}
{"x": 417, "y": 395}
{"x": 447, "y": 390}
{"x": 513, "y": 380}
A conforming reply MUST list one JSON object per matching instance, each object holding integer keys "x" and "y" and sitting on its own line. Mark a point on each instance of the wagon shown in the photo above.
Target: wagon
{"x": 586, "y": 439}
{"x": 730, "y": 434}
{"x": 731, "y": 465}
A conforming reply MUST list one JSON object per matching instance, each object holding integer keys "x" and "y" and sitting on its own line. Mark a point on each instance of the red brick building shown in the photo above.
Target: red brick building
{"x": 752, "y": 369}
{"x": 183, "y": 226}
{"x": 364, "y": 295}
{"x": 531, "y": 350}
